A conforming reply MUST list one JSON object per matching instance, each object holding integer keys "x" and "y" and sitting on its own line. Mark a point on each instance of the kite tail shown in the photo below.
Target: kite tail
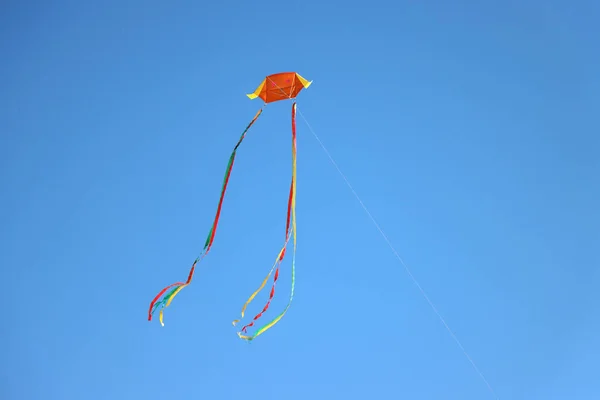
{"x": 277, "y": 263}
{"x": 177, "y": 287}
{"x": 292, "y": 208}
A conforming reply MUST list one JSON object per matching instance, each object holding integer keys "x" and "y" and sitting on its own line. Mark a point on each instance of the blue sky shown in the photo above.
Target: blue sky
{"x": 467, "y": 128}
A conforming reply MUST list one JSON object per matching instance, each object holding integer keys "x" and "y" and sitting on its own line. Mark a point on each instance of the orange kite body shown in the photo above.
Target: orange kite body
{"x": 281, "y": 86}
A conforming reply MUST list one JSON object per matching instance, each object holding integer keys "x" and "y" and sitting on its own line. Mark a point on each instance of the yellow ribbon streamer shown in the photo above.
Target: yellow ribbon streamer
{"x": 278, "y": 318}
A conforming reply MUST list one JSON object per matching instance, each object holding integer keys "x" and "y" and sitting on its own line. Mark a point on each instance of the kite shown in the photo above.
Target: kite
{"x": 276, "y": 87}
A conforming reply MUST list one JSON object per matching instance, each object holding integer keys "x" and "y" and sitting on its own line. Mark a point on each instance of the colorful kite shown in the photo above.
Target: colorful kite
{"x": 276, "y": 87}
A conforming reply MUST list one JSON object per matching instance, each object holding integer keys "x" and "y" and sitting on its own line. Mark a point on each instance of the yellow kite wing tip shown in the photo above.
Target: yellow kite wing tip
{"x": 303, "y": 80}
{"x": 256, "y": 92}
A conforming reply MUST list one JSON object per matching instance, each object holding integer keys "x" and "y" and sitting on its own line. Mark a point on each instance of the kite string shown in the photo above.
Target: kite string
{"x": 408, "y": 271}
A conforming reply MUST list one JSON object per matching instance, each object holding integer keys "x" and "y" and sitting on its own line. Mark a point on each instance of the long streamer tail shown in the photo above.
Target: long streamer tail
{"x": 275, "y": 267}
{"x": 279, "y": 259}
{"x": 178, "y": 286}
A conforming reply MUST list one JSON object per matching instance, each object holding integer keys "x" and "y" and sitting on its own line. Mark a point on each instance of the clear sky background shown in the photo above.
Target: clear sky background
{"x": 468, "y": 128}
